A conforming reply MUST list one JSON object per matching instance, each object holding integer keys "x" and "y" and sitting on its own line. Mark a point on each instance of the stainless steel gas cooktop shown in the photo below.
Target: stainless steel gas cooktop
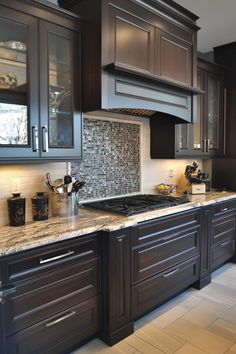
{"x": 138, "y": 203}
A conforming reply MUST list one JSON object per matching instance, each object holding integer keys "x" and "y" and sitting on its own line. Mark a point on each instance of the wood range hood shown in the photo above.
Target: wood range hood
{"x": 138, "y": 57}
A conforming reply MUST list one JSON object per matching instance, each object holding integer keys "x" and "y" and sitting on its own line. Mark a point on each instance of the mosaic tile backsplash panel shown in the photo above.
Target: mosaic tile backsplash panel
{"x": 111, "y": 159}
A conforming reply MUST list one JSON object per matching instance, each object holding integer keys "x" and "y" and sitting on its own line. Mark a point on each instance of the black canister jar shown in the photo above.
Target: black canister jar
{"x": 40, "y": 206}
{"x": 16, "y": 210}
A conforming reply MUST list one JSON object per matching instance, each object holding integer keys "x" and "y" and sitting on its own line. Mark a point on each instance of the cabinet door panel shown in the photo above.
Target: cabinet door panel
{"x": 60, "y": 94}
{"x": 58, "y": 334}
{"x": 40, "y": 298}
{"x": 18, "y": 78}
{"x": 133, "y": 41}
{"x": 222, "y": 252}
{"x": 175, "y": 58}
{"x": 153, "y": 291}
{"x": 151, "y": 259}
{"x": 213, "y": 99}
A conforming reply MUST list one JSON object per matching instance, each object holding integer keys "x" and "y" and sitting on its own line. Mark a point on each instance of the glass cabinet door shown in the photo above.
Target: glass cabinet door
{"x": 197, "y": 127}
{"x": 18, "y": 76}
{"x": 213, "y": 87}
{"x": 182, "y": 138}
{"x": 60, "y": 113}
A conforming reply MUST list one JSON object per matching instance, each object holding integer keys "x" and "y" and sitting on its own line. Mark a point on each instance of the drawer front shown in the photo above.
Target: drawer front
{"x": 169, "y": 251}
{"x": 58, "y": 334}
{"x": 51, "y": 293}
{"x": 220, "y": 209}
{"x": 223, "y": 228}
{"x": 153, "y": 291}
{"x": 151, "y": 231}
{"x": 222, "y": 252}
{"x": 55, "y": 256}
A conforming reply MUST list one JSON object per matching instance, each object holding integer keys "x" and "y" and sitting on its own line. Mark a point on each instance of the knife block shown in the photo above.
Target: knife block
{"x": 197, "y": 188}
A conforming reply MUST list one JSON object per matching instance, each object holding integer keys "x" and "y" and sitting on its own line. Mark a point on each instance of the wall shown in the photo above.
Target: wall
{"x": 32, "y": 176}
{"x": 152, "y": 172}
{"x": 32, "y": 180}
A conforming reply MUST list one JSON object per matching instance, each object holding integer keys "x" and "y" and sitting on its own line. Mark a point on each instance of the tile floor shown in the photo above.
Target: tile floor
{"x": 194, "y": 322}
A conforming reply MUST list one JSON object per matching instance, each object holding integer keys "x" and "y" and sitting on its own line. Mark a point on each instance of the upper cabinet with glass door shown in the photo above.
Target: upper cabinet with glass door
{"x": 203, "y": 137}
{"x": 40, "y": 115}
{"x": 18, "y": 85}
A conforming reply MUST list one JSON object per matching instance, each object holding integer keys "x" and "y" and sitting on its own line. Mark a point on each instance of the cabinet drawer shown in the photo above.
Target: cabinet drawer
{"x": 168, "y": 251}
{"x": 223, "y": 228}
{"x": 153, "y": 291}
{"x": 58, "y": 334}
{"x": 222, "y": 252}
{"x": 48, "y": 258}
{"x": 224, "y": 208}
{"x": 35, "y": 300}
{"x": 151, "y": 231}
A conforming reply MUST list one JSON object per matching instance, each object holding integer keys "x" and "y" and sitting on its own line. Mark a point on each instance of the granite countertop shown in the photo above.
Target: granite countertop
{"x": 34, "y": 234}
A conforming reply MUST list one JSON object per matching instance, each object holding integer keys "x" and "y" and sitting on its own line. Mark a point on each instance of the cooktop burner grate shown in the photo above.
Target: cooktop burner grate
{"x": 138, "y": 203}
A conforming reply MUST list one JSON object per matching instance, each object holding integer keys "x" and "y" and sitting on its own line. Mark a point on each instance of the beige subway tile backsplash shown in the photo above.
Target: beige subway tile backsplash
{"x": 32, "y": 180}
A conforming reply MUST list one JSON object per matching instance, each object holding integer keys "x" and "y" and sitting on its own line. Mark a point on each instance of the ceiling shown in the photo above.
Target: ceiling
{"x": 217, "y": 21}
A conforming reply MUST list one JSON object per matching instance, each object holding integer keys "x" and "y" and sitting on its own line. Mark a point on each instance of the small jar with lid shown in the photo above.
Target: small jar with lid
{"x": 16, "y": 210}
{"x": 40, "y": 206}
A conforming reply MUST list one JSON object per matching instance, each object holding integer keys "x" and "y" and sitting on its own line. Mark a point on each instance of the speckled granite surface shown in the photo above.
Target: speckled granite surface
{"x": 34, "y": 234}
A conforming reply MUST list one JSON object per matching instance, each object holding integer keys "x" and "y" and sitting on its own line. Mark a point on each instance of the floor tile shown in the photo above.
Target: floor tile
{"x": 141, "y": 345}
{"x": 202, "y": 319}
{"x": 189, "y": 349}
{"x": 224, "y": 329}
{"x": 231, "y": 350}
{"x": 158, "y": 339}
{"x": 210, "y": 342}
{"x": 170, "y": 316}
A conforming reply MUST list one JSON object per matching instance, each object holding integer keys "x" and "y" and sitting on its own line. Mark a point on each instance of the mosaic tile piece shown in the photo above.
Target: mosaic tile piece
{"x": 111, "y": 159}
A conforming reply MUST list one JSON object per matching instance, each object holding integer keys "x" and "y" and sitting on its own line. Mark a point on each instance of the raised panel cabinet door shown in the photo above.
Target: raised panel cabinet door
{"x": 61, "y": 130}
{"x": 116, "y": 282}
{"x": 18, "y": 85}
{"x": 173, "y": 58}
{"x": 132, "y": 42}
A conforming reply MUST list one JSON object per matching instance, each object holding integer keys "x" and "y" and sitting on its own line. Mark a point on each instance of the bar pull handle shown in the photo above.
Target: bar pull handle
{"x": 5, "y": 292}
{"x": 35, "y": 139}
{"x": 60, "y": 256}
{"x": 225, "y": 121}
{"x": 45, "y": 139}
{"x": 207, "y": 145}
{"x": 225, "y": 243}
{"x": 224, "y": 209}
{"x": 204, "y": 145}
{"x": 171, "y": 273}
{"x": 63, "y": 318}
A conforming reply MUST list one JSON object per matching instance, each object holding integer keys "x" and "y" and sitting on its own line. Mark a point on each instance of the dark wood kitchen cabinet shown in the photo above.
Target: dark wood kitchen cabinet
{"x": 166, "y": 259}
{"x": 225, "y": 55}
{"x": 148, "y": 45}
{"x": 40, "y": 113}
{"x": 116, "y": 279}
{"x": 223, "y": 233}
{"x": 139, "y": 57}
{"x": 205, "y": 247}
{"x": 204, "y": 137}
{"x": 50, "y": 297}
